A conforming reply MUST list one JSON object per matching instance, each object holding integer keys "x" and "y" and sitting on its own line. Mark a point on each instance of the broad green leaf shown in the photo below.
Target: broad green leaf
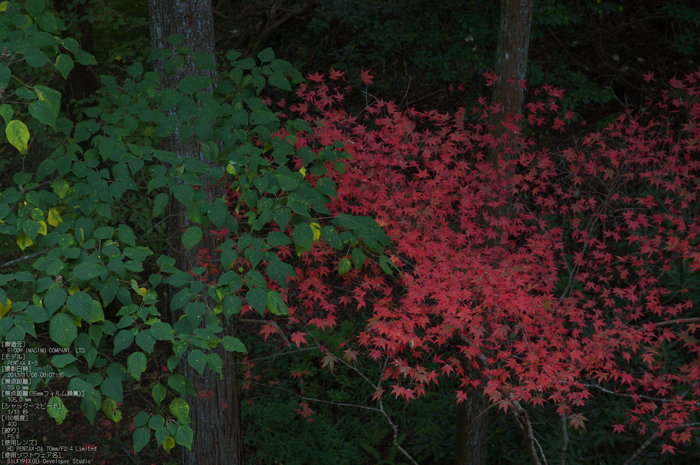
{"x": 123, "y": 340}
{"x": 18, "y": 135}
{"x": 192, "y": 236}
{"x": 257, "y": 299}
{"x": 141, "y": 438}
{"x": 344, "y": 266}
{"x": 62, "y": 329}
{"x": 64, "y": 64}
{"x": 158, "y": 392}
{"x": 80, "y": 304}
{"x": 197, "y": 360}
{"x": 266, "y": 55}
{"x": 89, "y": 270}
{"x": 162, "y": 332}
{"x": 6, "y": 112}
{"x": 275, "y": 304}
{"x": 136, "y": 364}
{"x": 204, "y": 61}
{"x": 303, "y": 236}
{"x": 55, "y": 298}
{"x": 278, "y": 80}
{"x": 179, "y": 408}
{"x": 56, "y": 409}
{"x": 112, "y": 387}
{"x": 184, "y": 436}
{"x": 233, "y": 344}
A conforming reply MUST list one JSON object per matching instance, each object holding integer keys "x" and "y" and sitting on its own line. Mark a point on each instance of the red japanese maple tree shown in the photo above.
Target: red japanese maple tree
{"x": 553, "y": 272}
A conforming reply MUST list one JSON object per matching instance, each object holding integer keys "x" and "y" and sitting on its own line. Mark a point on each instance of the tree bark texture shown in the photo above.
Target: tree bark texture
{"x": 216, "y": 419}
{"x": 82, "y": 81}
{"x": 508, "y": 93}
{"x": 511, "y": 60}
{"x": 472, "y": 427}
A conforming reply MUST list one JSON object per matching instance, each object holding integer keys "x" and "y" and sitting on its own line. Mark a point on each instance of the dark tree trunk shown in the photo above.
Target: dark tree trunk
{"x": 82, "y": 81}
{"x": 216, "y": 420}
{"x": 472, "y": 428}
{"x": 508, "y": 92}
{"x": 511, "y": 59}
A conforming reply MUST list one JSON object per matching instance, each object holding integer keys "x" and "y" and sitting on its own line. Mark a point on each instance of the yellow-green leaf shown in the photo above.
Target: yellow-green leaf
{"x": 168, "y": 444}
{"x": 316, "y": 228}
{"x": 18, "y": 135}
{"x": 60, "y": 188}
{"x": 42, "y": 228}
{"x": 54, "y": 218}
{"x": 23, "y": 241}
{"x": 5, "y": 308}
{"x": 109, "y": 407}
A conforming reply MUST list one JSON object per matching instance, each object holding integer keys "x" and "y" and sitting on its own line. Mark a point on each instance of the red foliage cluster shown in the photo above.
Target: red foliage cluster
{"x": 551, "y": 271}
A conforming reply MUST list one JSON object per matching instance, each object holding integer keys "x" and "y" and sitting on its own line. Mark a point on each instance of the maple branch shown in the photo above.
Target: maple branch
{"x": 526, "y": 427}
{"x": 641, "y": 396}
{"x": 639, "y": 451}
{"x": 678, "y": 321}
{"x": 396, "y": 434}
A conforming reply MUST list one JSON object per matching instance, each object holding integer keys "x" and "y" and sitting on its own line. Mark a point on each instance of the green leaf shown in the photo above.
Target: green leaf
{"x": 5, "y": 75}
{"x": 141, "y": 438}
{"x": 179, "y": 408}
{"x": 123, "y": 340}
{"x": 257, "y": 299}
{"x": 358, "y": 257}
{"x": 146, "y": 341}
{"x": 278, "y": 80}
{"x": 126, "y": 235}
{"x": 80, "y": 304}
{"x": 193, "y": 84}
{"x": 158, "y": 392}
{"x": 279, "y": 271}
{"x": 56, "y": 409}
{"x": 184, "y": 436}
{"x": 62, "y": 329}
{"x": 204, "y": 61}
{"x": 159, "y": 204}
{"x": 180, "y": 384}
{"x": 303, "y": 236}
{"x": 136, "y": 364}
{"x": 18, "y": 135}
{"x": 192, "y": 236}
{"x": 89, "y": 270}
{"x": 275, "y": 304}
{"x": 344, "y": 266}
{"x": 266, "y": 55}
{"x": 163, "y": 332}
{"x": 43, "y": 112}
{"x": 112, "y": 387}
{"x": 55, "y": 298}
{"x": 233, "y": 344}
{"x": 6, "y": 112}
{"x": 64, "y": 64}
{"x": 197, "y": 360}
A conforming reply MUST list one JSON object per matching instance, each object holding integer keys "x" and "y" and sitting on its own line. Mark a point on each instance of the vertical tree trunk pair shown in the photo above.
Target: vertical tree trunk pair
{"x": 216, "y": 420}
{"x": 508, "y": 93}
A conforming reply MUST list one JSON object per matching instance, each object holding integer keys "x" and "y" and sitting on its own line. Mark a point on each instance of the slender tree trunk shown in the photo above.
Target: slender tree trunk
{"x": 216, "y": 419}
{"x": 508, "y": 93}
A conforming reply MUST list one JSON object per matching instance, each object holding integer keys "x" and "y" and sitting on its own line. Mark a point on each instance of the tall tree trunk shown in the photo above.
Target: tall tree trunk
{"x": 217, "y": 419}
{"x": 82, "y": 81}
{"x": 508, "y": 93}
